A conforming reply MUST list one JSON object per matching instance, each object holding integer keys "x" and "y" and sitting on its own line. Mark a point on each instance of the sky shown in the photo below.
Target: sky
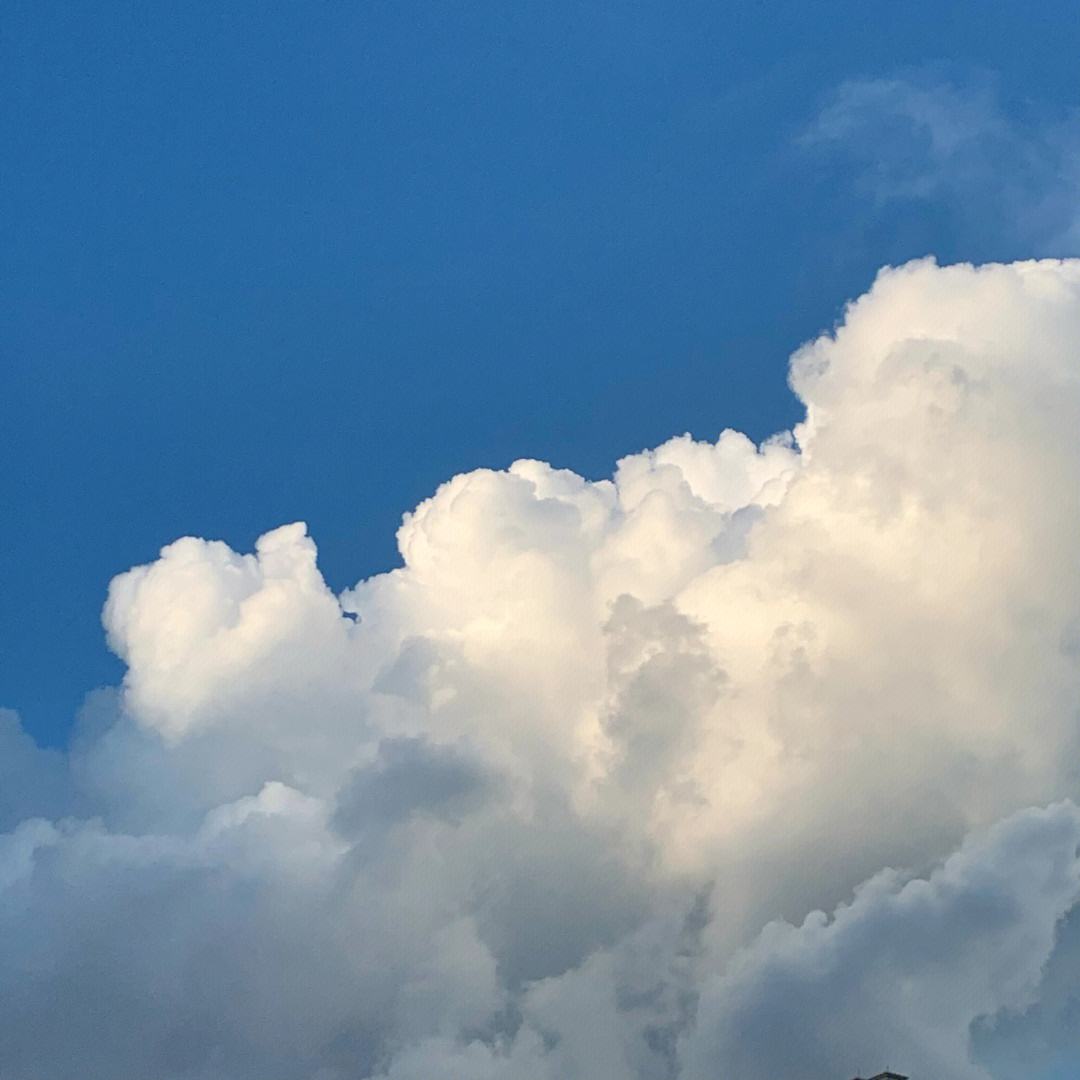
{"x": 539, "y": 541}
{"x": 265, "y": 262}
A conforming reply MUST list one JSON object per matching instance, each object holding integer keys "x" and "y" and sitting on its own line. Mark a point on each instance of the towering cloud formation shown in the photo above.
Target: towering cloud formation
{"x": 750, "y": 762}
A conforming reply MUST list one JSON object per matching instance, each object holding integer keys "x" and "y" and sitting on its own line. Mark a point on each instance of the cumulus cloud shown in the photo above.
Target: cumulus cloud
{"x": 901, "y": 972}
{"x": 567, "y": 794}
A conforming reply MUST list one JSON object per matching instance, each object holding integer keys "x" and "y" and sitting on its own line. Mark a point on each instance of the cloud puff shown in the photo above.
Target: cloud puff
{"x": 566, "y": 793}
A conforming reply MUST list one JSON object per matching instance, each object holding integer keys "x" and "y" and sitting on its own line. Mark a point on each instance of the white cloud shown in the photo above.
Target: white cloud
{"x": 559, "y": 796}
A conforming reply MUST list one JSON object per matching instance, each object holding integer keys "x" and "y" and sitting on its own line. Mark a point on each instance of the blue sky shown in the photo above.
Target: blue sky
{"x": 756, "y": 760}
{"x": 267, "y": 262}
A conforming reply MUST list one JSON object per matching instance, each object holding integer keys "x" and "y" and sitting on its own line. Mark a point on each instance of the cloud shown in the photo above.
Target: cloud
{"x": 1007, "y": 171}
{"x": 902, "y": 971}
{"x": 32, "y": 780}
{"x": 409, "y": 777}
{"x": 566, "y": 793}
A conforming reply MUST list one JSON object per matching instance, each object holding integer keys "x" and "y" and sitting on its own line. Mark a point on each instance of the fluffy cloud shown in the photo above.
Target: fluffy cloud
{"x": 903, "y": 971}
{"x": 566, "y": 794}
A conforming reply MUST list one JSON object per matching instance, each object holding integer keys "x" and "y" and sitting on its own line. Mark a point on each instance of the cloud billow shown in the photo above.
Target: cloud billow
{"x": 750, "y": 761}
